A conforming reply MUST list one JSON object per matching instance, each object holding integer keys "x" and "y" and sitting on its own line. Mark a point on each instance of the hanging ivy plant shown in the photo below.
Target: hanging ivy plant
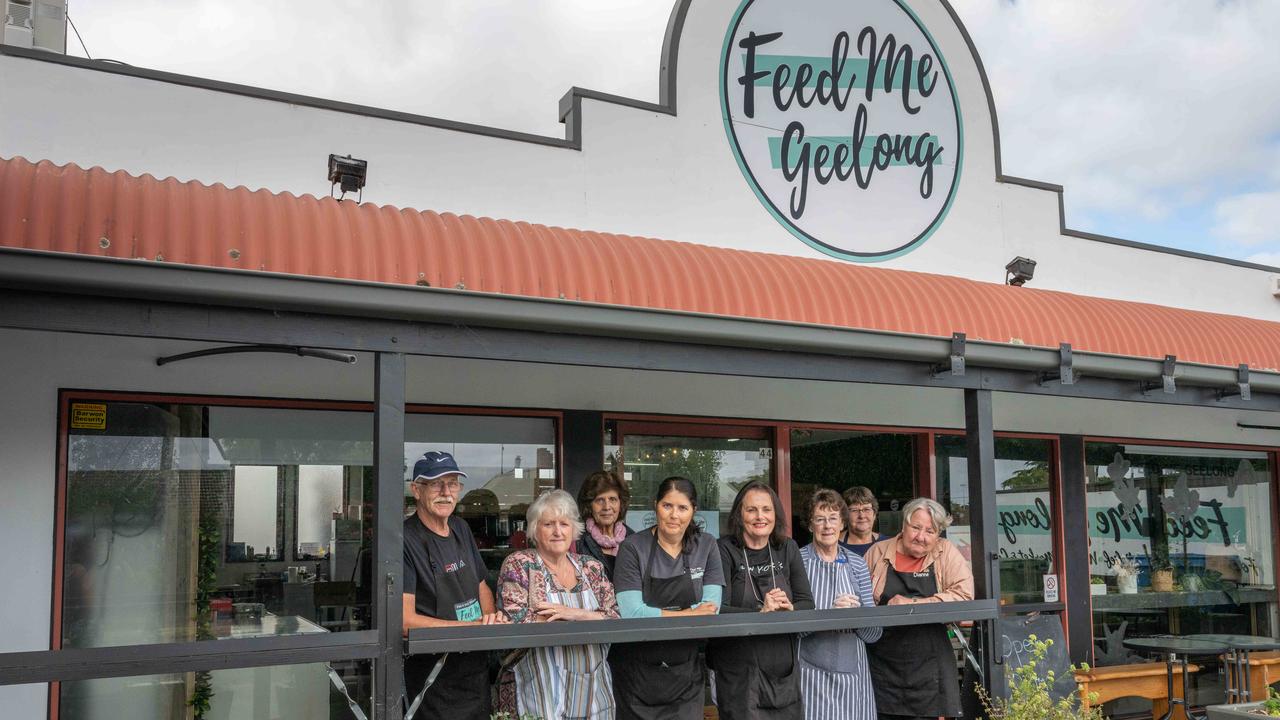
{"x": 209, "y": 545}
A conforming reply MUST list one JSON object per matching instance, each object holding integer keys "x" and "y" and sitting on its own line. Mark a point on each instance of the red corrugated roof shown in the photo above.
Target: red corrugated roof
{"x": 113, "y": 214}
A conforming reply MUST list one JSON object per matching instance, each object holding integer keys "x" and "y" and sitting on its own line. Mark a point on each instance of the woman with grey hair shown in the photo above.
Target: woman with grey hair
{"x": 549, "y": 583}
{"x": 913, "y": 669}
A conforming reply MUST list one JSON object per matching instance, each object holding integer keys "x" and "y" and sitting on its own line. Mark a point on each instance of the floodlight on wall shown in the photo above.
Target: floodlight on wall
{"x": 347, "y": 173}
{"x": 1019, "y": 271}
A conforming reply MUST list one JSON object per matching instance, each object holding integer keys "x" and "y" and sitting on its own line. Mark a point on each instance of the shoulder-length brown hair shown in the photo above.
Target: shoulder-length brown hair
{"x": 602, "y": 481}
{"x": 777, "y": 535}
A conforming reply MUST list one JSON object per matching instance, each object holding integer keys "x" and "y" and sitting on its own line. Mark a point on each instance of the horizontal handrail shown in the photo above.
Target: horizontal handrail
{"x": 17, "y": 668}
{"x": 509, "y": 637}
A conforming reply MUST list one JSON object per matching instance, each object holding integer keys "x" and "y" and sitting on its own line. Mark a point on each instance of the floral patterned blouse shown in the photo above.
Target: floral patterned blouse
{"x": 522, "y": 584}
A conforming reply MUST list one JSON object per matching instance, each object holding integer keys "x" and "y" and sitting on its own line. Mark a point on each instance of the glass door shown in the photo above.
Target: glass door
{"x": 717, "y": 459}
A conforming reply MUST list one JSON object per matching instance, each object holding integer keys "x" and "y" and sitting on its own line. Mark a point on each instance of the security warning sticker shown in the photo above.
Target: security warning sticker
{"x": 88, "y": 416}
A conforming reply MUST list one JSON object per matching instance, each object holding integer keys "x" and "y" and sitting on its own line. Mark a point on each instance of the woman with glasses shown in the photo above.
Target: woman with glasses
{"x": 548, "y": 584}
{"x": 860, "y": 533}
{"x": 756, "y": 677}
{"x": 834, "y": 678}
{"x": 604, "y": 498}
{"x": 913, "y": 668}
{"x": 444, "y": 586}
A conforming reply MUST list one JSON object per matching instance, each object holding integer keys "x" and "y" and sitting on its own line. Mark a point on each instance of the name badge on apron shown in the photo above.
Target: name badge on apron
{"x": 468, "y": 611}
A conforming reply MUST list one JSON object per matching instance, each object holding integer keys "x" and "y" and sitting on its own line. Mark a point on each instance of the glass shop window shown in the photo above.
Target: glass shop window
{"x": 1024, "y": 506}
{"x": 840, "y": 459}
{"x": 176, "y": 531}
{"x": 339, "y": 690}
{"x": 509, "y": 461}
{"x": 717, "y": 459}
{"x": 1181, "y": 542}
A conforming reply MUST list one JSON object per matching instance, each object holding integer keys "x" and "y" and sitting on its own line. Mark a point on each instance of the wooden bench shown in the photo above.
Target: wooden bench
{"x": 1264, "y": 669}
{"x": 1144, "y": 680}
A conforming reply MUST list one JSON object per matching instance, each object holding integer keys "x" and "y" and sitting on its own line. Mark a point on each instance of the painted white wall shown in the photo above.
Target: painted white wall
{"x": 638, "y": 173}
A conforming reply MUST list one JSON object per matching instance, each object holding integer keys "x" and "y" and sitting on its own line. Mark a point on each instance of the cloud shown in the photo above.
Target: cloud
{"x": 1140, "y": 107}
{"x": 491, "y": 62}
{"x": 1267, "y": 258}
{"x": 1249, "y": 219}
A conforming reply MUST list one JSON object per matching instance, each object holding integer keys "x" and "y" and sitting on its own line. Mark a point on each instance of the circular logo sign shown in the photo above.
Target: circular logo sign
{"x": 844, "y": 120}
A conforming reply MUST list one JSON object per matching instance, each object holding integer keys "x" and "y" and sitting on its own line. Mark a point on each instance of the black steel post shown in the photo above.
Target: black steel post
{"x": 388, "y": 458}
{"x": 981, "y": 443}
{"x": 1075, "y": 536}
{"x": 583, "y": 447}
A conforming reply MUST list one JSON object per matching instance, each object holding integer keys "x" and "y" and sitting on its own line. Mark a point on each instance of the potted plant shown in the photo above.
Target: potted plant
{"x": 1029, "y": 696}
{"x": 1097, "y": 585}
{"x": 1127, "y": 577}
{"x": 1161, "y": 570}
{"x": 1263, "y": 708}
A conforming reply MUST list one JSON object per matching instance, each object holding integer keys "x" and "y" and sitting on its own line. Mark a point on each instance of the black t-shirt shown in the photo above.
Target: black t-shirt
{"x": 427, "y": 554}
{"x": 763, "y": 569}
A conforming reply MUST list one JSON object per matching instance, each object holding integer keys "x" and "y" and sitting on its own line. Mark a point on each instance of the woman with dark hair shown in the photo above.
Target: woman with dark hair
{"x": 603, "y": 500}
{"x": 668, "y": 570}
{"x": 758, "y": 677}
{"x": 860, "y": 523}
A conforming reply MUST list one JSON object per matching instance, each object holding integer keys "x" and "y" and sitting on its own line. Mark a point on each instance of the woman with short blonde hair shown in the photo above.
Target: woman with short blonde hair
{"x": 549, "y": 583}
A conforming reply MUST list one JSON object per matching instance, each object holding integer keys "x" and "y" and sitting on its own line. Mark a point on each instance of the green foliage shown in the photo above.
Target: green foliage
{"x": 209, "y": 546}
{"x": 1097, "y": 580}
{"x": 1034, "y": 476}
{"x": 508, "y": 716}
{"x": 1271, "y": 706}
{"x": 1029, "y": 696}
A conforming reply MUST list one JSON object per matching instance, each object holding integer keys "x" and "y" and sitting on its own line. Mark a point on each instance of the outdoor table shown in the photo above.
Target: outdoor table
{"x": 1176, "y": 649}
{"x": 1239, "y": 647}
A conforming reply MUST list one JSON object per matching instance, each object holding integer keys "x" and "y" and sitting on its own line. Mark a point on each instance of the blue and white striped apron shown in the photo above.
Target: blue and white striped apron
{"x": 566, "y": 683}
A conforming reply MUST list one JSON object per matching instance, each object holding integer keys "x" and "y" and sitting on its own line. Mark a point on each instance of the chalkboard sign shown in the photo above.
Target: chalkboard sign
{"x": 1015, "y": 647}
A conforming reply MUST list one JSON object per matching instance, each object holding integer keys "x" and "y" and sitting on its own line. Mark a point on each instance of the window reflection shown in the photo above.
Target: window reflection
{"x": 176, "y": 529}
{"x": 509, "y": 461}
{"x": 717, "y": 466}
{"x": 1024, "y": 509}
{"x": 1181, "y": 542}
{"x": 283, "y": 692}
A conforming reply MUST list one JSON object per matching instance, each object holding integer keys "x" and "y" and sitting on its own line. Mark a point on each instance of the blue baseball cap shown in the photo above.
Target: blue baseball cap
{"x": 434, "y": 465}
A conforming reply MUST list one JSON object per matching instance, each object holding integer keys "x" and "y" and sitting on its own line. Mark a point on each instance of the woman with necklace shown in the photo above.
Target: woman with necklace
{"x": 671, "y": 569}
{"x": 546, "y": 584}
{"x": 756, "y": 677}
{"x": 834, "y": 678}
{"x": 604, "y": 499}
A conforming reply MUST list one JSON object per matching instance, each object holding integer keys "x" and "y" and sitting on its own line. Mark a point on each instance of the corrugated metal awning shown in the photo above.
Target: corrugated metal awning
{"x": 113, "y": 214}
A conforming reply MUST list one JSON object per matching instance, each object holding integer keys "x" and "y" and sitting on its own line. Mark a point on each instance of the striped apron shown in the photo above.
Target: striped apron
{"x": 566, "y": 683}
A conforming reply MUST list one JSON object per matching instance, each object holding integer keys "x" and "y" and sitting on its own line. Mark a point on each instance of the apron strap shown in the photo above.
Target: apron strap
{"x": 336, "y": 679}
{"x": 417, "y": 701}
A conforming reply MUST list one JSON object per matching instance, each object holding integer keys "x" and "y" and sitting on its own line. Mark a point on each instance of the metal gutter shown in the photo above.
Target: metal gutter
{"x": 144, "y": 279}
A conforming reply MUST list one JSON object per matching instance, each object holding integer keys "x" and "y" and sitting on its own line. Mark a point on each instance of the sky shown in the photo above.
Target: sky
{"x": 1161, "y": 118}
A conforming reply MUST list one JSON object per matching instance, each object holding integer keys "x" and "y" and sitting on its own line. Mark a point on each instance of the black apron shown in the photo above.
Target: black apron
{"x": 913, "y": 668}
{"x": 756, "y": 677}
{"x": 461, "y": 690}
{"x": 659, "y": 680}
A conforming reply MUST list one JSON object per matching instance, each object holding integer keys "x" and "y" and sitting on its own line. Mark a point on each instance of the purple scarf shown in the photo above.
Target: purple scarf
{"x": 608, "y": 544}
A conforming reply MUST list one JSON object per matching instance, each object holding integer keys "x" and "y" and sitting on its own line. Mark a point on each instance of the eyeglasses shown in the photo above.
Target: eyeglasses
{"x": 862, "y": 511}
{"x": 827, "y": 521}
{"x": 922, "y": 530}
{"x": 439, "y": 485}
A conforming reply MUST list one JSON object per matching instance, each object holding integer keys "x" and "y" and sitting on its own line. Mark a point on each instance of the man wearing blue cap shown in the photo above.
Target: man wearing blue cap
{"x": 444, "y": 586}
